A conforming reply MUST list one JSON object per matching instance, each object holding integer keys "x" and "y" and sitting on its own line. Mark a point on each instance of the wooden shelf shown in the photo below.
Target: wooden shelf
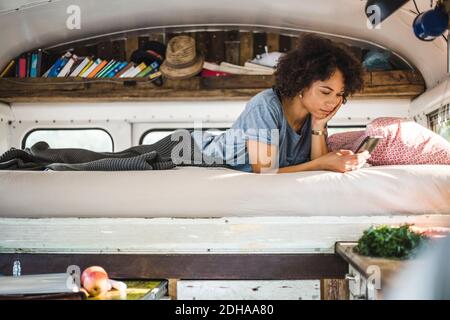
{"x": 386, "y": 84}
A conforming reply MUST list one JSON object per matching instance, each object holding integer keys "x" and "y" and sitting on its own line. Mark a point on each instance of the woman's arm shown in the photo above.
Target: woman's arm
{"x": 318, "y": 145}
{"x": 319, "y": 142}
{"x": 312, "y": 165}
{"x": 264, "y": 159}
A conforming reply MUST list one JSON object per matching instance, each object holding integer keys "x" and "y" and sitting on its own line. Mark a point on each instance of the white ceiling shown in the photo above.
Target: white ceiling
{"x": 9, "y": 5}
{"x": 43, "y": 23}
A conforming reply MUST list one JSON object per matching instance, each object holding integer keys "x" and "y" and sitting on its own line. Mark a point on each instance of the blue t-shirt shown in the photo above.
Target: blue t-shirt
{"x": 262, "y": 120}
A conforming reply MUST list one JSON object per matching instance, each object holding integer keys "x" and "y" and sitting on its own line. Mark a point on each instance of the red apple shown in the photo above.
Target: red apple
{"x": 95, "y": 281}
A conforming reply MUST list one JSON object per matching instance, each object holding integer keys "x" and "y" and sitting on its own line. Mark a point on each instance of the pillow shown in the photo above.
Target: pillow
{"x": 345, "y": 140}
{"x": 405, "y": 142}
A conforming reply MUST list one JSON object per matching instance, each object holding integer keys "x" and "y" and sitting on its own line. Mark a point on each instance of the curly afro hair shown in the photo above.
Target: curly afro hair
{"x": 315, "y": 59}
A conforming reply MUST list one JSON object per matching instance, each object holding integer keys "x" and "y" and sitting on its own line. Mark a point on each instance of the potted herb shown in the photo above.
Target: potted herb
{"x": 390, "y": 242}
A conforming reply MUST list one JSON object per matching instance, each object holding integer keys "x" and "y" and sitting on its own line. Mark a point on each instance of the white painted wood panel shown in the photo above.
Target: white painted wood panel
{"x": 248, "y": 290}
{"x": 169, "y": 235}
{"x": 5, "y": 116}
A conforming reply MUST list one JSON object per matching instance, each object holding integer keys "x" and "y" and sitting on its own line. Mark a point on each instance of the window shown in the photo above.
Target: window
{"x": 155, "y": 135}
{"x": 439, "y": 121}
{"x": 93, "y": 139}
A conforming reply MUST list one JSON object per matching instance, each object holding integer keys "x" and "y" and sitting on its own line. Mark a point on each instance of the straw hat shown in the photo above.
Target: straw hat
{"x": 182, "y": 61}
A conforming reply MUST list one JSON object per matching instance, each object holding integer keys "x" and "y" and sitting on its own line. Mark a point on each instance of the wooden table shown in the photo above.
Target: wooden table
{"x": 365, "y": 272}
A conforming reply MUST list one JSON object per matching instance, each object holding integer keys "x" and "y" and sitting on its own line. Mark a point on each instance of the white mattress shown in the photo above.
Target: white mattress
{"x": 219, "y": 192}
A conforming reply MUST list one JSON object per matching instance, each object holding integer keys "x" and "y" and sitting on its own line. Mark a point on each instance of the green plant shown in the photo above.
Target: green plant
{"x": 389, "y": 242}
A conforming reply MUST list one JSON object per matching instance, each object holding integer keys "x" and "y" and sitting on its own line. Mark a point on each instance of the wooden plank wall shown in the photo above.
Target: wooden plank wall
{"x": 232, "y": 46}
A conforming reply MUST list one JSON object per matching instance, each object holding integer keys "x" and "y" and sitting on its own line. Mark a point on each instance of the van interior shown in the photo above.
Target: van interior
{"x": 210, "y": 232}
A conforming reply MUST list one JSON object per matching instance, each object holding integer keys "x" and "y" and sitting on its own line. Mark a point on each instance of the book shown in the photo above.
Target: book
{"x": 57, "y": 68}
{"x": 133, "y": 73}
{"x": 45, "y": 61}
{"x": 89, "y": 68}
{"x": 127, "y": 74}
{"x": 257, "y": 66}
{"x": 211, "y": 66}
{"x": 106, "y": 69}
{"x": 210, "y": 73}
{"x": 125, "y": 69}
{"x": 28, "y": 64}
{"x": 66, "y": 69}
{"x": 75, "y": 65}
{"x": 149, "y": 70}
{"x": 116, "y": 69}
{"x": 89, "y": 64}
{"x": 267, "y": 59}
{"x": 47, "y": 73}
{"x": 8, "y": 69}
{"x": 155, "y": 75}
{"x": 33, "y": 66}
{"x": 111, "y": 68}
{"x": 16, "y": 72}
{"x": 66, "y": 58}
{"x": 80, "y": 67}
{"x": 97, "y": 69}
{"x": 38, "y": 62}
{"x": 92, "y": 68}
{"x": 235, "y": 69}
{"x": 49, "y": 67}
{"x": 144, "y": 72}
{"x": 22, "y": 67}
{"x": 58, "y": 65}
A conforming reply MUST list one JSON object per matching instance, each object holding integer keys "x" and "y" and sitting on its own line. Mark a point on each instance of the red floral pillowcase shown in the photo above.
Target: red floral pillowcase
{"x": 405, "y": 142}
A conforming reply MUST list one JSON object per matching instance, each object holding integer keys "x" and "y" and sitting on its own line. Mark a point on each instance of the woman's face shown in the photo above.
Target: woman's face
{"x": 322, "y": 97}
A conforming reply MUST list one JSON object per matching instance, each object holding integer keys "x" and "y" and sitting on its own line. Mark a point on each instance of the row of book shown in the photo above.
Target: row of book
{"x": 71, "y": 65}
{"x": 28, "y": 65}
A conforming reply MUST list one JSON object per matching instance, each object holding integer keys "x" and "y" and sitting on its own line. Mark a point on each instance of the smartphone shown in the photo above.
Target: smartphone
{"x": 368, "y": 144}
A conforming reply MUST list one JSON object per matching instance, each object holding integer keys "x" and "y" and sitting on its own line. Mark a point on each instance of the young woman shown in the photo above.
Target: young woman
{"x": 284, "y": 129}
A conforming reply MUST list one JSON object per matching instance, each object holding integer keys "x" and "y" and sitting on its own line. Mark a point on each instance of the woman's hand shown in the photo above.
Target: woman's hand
{"x": 319, "y": 124}
{"x": 343, "y": 160}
